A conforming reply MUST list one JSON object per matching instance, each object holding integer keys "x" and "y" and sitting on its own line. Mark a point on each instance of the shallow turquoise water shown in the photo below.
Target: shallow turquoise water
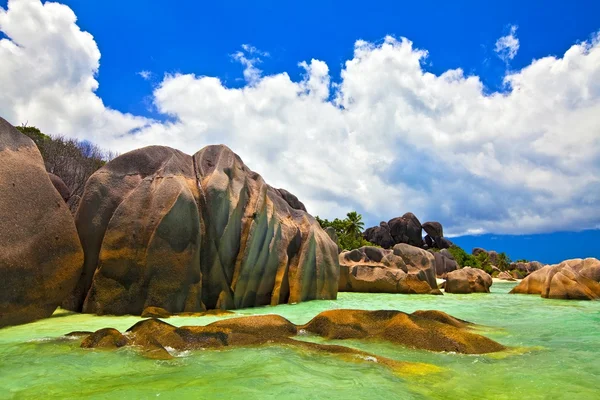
{"x": 557, "y": 356}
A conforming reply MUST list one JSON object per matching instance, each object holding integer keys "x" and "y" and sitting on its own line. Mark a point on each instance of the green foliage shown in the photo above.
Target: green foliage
{"x": 516, "y": 273}
{"x": 463, "y": 259}
{"x": 522, "y": 260}
{"x": 35, "y": 134}
{"x": 348, "y": 230}
{"x": 503, "y": 261}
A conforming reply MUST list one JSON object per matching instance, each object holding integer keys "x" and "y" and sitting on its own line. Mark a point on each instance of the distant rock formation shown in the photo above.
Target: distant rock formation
{"x": 468, "y": 280}
{"x": 505, "y": 276}
{"x": 164, "y": 229}
{"x": 406, "y": 269}
{"x": 576, "y": 279}
{"x": 435, "y": 236}
{"x": 40, "y": 253}
{"x": 408, "y": 230}
{"x": 526, "y": 268}
{"x": 380, "y": 235}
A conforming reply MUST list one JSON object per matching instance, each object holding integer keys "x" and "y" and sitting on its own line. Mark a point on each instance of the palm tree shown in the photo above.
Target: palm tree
{"x": 355, "y": 224}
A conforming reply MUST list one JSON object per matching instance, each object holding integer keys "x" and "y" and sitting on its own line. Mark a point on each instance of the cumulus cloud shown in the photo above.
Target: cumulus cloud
{"x": 508, "y": 46}
{"x": 47, "y": 73}
{"x": 384, "y": 138}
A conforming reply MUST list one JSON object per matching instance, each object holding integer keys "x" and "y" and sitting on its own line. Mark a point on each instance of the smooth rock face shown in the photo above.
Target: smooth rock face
{"x": 576, "y": 279}
{"x": 60, "y": 186}
{"x": 375, "y": 270}
{"x": 435, "y": 236}
{"x": 433, "y": 229}
{"x": 444, "y": 263}
{"x": 468, "y": 280}
{"x": 40, "y": 253}
{"x": 418, "y": 261}
{"x": 163, "y": 229}
{"x": 330, "y": 231}
{"x": 406, "y": 229}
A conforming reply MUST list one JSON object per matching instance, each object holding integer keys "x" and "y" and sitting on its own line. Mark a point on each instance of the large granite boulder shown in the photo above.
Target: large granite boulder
{"x": 164, "y": 229}
{"x": 444, "y": 263}
{"x": 435, "y": 236}
{"x": 576, "y": 279}
{"x": 379, "y": 235}
{"x": 468, "y": 280}
{"x": 406, "y": 229}
{"x": 433, "y": 229}
{"x": 40, "y": 253}
{"x": 418, "y": 261}
{"x": 376, "y": 270}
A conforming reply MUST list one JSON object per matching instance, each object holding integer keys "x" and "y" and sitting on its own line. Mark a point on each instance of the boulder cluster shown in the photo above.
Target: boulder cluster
{"x": 407, "y": 229}
{"x": 576, "y": 279}
{"x": 155, "y": 228}
{"x": 405, "y": 269}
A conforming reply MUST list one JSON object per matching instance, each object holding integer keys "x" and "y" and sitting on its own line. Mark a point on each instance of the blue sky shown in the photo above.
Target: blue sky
{"x": 199, "y": 37}
{"x": 487, "y": 118}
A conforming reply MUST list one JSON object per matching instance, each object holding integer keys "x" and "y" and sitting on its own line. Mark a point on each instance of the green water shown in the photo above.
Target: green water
{"x": 557, "y": 356}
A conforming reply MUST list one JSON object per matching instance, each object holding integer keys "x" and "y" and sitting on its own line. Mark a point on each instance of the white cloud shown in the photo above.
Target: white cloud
{"x": 249, "y": 58}
{"x": 47, "y": 74}
{"x": 386, "y": 139}
{"x": 508, "y": 46}
{"x": 146, "y": 75}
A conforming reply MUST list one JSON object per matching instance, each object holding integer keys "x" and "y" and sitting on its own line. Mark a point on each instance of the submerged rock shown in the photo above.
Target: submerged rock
{"x": 428, "y": 330}
{"x": 40, "y": 253}
{"x": 468, "y": 280}
{"x": 576, "y": 279}
{"x": 375, "y": 270}
{"x": 164, "y": 229}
